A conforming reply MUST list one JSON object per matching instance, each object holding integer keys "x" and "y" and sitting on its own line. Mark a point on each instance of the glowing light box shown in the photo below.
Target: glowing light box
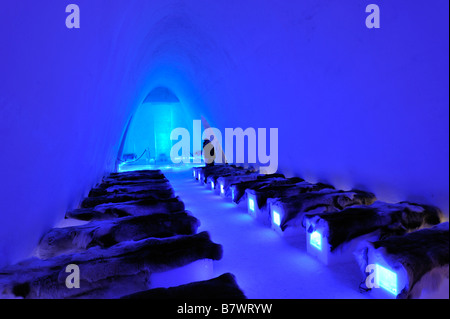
{"x": 276, "y": 218}
{"x": 315, "y": 240}
{"x": 386, "y": 279}
{"x": 221, "y": 189}
{"x": 251, "y": 204}
{"x": 212, "y": 185}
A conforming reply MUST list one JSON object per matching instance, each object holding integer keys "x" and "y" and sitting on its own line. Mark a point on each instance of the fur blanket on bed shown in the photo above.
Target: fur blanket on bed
{"x": 223, "y": 287}
{"x": 424, "y": 254}
{"x": 389, "y": 219}
{"x": 156, "y": 194}
{"x": 325, "y": 200}
{"x": 277, "y": 190}
{"x": 220, "y": 171}
{"x": 215, "y": 176}
{"x": 134, "y": 175}
{"x": 128, "y": 187}
{"x": 107, "y": 233}
{"x": 238, "y": 189}
{"x": 131, "y": 208}
{"x": 127, "y": 266}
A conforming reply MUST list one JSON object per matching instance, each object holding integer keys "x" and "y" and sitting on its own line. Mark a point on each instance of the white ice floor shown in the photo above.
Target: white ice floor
{"x": 266, "y": 265}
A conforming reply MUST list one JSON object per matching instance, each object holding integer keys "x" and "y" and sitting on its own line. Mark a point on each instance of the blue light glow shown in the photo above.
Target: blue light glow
{"x": 386, "y": 279}
{"x": 251, "y": 204}
{"x": 149, "y": 132}
{"x": 221, "y": 189}
{"x": 212, "y": 185}
{"x": 315, "y": 240}
{"x": 276, "y": 218}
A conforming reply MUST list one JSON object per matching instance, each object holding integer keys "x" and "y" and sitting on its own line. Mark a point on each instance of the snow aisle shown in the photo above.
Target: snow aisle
{"x": 266, "y": 265}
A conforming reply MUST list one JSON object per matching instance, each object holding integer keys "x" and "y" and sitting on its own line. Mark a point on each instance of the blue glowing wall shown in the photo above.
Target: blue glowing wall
{"x": 356, "y": 107}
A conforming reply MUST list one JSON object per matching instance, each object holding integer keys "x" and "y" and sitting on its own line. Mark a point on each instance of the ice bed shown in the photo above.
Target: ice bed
{"x": 335, "y": 237}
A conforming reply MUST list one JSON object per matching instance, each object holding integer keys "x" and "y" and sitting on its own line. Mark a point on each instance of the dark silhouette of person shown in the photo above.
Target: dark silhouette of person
{"x": 208, "y": 153}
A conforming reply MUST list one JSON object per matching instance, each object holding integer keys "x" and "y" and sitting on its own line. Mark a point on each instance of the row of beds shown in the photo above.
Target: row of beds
{"x": 401, "y": 248}
{"x": 131, "y": 237}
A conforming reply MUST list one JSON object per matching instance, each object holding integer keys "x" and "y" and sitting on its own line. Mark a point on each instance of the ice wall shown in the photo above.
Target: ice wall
{"x": 355, "y": 107}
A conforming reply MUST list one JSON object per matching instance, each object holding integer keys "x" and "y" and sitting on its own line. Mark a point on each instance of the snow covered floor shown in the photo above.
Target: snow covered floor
{"x": 266, "y": 265}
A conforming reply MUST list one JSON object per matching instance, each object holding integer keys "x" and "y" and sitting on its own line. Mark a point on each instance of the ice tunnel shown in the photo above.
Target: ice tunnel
{"x": 361, "y": 113}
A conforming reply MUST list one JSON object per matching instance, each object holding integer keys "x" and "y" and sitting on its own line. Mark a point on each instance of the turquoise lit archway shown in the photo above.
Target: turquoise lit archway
{"x": 146, "y": 142}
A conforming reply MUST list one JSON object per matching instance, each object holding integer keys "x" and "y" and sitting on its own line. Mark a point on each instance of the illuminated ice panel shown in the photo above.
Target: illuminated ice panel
{"x": 315, "y": 240}
{"x": 251, "y": 204}
{"x": 386, "y": 279}
{"x": 276, "y": 218}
